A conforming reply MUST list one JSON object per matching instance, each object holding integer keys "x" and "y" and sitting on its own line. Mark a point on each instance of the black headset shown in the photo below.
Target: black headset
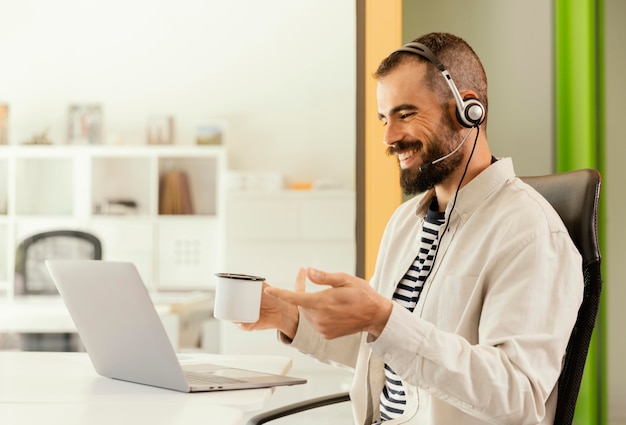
{"x": 469, "y": 112}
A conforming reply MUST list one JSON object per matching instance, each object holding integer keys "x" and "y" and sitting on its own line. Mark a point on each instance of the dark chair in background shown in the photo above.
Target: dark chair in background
{"x": 32, "y": 277}
{"x": 575, "y": 195}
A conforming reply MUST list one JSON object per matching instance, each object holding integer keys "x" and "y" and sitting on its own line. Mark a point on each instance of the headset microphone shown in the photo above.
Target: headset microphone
{"x": 428, "y": 164}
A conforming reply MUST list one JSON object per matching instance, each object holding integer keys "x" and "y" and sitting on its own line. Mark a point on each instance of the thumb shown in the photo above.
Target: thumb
{"x": 330, "y": 279}
{"x": 301, "y": 280}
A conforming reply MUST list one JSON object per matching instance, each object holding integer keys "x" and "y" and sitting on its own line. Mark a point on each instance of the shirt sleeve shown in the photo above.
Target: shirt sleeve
{"x": 341, "y": 351}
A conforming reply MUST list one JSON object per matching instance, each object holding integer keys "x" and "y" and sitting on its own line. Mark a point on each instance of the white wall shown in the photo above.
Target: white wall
{"x": 280, "y": 73}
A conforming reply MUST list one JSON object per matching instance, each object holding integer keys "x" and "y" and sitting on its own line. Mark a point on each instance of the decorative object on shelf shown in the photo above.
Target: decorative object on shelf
{"x": 84, "y": 125}
{"x": 4, "y": 124}
{"x": 302, "y": 185}
{"x": 39, "y": 139}
{"x": 175, "y": 193}
{"x": 116, "y": 207}
{"x": 255, "y": 180}
{"x": 161, "y": 130}
{"x": 209, "y": 135}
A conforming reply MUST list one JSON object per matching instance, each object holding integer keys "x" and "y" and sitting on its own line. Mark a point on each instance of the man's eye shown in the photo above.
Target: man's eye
{"x": 407, "y": 115}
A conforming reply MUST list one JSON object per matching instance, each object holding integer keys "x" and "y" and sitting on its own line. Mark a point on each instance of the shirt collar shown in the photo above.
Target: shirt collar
{"x": 473, "y": 193}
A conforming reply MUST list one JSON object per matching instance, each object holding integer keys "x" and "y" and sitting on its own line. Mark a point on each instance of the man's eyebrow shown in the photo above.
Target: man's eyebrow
{"x": 396, "y": 109}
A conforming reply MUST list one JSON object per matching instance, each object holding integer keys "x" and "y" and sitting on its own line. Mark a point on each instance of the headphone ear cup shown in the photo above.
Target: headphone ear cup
{"x": 473, "y": 113}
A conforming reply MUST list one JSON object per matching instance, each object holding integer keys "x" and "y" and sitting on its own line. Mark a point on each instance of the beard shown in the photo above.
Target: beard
{"x": 412, "y": 180}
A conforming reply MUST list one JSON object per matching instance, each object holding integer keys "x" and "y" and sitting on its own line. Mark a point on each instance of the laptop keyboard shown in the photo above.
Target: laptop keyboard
{"x": 209, "y": 379}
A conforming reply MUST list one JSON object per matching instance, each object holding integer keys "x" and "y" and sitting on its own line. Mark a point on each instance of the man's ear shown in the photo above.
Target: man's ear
{"x": 471, "y": 113}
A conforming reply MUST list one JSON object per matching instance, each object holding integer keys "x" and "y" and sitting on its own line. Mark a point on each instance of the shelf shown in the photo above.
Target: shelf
{"x": 4, "y": 186}
{"x": 114, "y": 192}
{"x": 4, "y": 258}
{"x": 118, "y": 181}
{"x": 188, "y": 255}
{"x": 46, "y": 186}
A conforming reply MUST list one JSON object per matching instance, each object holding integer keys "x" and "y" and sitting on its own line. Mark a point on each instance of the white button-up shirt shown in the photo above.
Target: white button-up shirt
{"x": 486, "y": 341}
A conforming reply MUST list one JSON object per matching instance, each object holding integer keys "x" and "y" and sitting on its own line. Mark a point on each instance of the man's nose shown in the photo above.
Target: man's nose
{"x": 392, "y": 135}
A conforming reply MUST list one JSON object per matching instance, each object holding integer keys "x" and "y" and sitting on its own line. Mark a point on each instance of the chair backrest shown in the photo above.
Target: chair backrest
{"x": 31, "y": 275}
{"x": 575, "y": 196}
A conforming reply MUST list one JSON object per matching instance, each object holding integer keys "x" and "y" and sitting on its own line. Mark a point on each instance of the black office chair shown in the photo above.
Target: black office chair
{"x": 575, "y": 196}
{"x": 32, "y": 277}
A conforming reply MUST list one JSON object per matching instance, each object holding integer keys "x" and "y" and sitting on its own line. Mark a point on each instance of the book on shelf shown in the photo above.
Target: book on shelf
{"x": 175, "y": 193}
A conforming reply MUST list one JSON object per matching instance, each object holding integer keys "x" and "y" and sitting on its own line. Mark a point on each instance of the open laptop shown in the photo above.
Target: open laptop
{"x": 124, "y": 337}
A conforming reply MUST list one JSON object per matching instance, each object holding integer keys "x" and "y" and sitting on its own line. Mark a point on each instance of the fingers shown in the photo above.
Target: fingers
{"x": 303, "y": 299}
{"x": 301, "y": 280}
{"x": 308, "y": 300}
{"x": 331, "y": 279}
{"x": 245, "y": 326}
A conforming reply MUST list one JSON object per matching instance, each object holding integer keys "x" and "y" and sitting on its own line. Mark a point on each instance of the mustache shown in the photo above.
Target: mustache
{"x": 403, "y": 146}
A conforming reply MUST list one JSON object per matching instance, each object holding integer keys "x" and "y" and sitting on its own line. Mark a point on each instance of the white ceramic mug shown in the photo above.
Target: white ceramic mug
{"x": 238, "y": 297}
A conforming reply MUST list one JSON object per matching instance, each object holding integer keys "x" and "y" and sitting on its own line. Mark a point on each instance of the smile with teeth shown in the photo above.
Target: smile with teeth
{"x": 406, "y": 154}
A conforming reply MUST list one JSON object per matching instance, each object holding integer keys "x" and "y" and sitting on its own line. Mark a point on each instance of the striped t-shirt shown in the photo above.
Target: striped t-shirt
{"x": 393, "y": 397}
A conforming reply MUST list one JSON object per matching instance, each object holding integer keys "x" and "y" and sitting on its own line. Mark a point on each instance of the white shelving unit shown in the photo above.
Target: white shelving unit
{"x": 73, "y": 187}
{"x": 274, "y": 233}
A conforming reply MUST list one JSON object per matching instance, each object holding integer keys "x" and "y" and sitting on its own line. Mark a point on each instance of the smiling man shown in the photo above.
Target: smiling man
{"x": 468, "y": 314}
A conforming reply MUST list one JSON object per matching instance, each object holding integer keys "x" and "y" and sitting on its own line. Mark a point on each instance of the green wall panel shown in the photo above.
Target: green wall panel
{"x": 579, "y": 129}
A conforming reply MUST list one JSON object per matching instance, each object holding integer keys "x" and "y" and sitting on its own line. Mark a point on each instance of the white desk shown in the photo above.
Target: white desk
{"x": 63, "y": 388}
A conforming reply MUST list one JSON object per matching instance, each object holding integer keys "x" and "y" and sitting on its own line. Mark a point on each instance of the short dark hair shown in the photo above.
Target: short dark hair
{"x": 457, "y": 56}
